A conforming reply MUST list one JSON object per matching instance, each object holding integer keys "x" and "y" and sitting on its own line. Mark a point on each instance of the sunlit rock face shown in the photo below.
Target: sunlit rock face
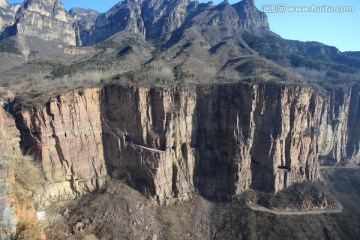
{"x": 65, "y": 136}
{"x": 47, "y": 20}
{"x": 158, "y": 19}
{"x": 7, "y": 14}
{"x": 171, "y": 142}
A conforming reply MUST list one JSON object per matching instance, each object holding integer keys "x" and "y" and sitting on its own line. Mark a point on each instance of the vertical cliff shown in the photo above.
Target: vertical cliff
{"x": 257, "y": 136}
{"x": 47, "y": 20}
{"x": 9, "y": 146}
{"x": 171, "y": 142}
{"x": 7, "y": 14}
{"x": 66, "y": 137}
{"x": 219, "y": 140}
{"x": 148, "y": 138}
{"x": 338, "y": 130}
{"x": 353, "y": 146}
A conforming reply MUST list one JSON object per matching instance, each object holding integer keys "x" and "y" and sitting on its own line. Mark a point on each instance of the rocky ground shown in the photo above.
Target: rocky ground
{"x": 120, "y": 212}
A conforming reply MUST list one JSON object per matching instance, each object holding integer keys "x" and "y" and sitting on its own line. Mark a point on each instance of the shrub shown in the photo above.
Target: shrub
{"x": 24, "y": 178}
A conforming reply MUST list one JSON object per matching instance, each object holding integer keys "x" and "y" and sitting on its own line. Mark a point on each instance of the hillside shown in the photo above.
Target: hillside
{"x": 175, "y": 120}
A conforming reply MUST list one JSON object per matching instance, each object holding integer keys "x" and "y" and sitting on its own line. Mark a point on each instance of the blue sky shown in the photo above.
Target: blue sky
{"x": 336, "y": 29}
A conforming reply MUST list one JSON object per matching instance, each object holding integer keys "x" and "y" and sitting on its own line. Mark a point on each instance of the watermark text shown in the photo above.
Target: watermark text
{"x": 282, "y": 8}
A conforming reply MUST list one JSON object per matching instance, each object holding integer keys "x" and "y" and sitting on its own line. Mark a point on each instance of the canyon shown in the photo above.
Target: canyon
{"x": 173, "y": 120}
{"x": 173, "y": 142}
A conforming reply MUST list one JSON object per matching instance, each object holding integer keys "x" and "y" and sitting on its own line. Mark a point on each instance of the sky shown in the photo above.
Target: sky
{"x": 339, "y": 29}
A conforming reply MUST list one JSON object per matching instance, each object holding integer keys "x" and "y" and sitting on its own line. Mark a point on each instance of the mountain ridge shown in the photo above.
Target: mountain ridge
{"x": 180, "y": 101}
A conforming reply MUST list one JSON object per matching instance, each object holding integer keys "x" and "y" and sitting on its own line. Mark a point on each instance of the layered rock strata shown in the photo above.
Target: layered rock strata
{"x": 47, "y": 20}
{"x": 170, "y": 142}
{"x": 66, "y": 137}
{"x": 219, "y": 140}
{"x": 9, "y": 146}
{"x": 224, "y": 139}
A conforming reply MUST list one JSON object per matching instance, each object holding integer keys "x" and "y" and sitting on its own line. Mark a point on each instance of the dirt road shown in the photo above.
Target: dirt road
{"x": 257, "y": 207}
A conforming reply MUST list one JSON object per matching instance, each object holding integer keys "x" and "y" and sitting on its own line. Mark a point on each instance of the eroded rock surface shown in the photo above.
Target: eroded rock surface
{"x": 158, "y": 19}
{"x": 84, "y": 21}
{"x": 66, "y": 136}
{"x": 218, "y": 140}
{"x": 47, "y": 20}
{"x": 7, "y": 14}
{"x": 171, "y": 142}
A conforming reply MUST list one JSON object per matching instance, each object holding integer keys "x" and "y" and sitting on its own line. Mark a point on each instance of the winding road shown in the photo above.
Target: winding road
{"x": 257, "y": 207}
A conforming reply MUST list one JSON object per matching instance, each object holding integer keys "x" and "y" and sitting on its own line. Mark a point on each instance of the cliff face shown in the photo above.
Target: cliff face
{"x": 3, "y": 3}
{"x": 84, "y": 21}
{"x": 154, "y": 19}
{"x": 124, "y": 16}
{"x": 353, "y": 146}
{"x": 218, "y": 140}
{"x": 169, "y": 142}
{"x": 7, "y": 14}
{"x": 158, "y": 19}
{"x": 339, "y": 127}
{"x": 161, "y": 17}
{"x": 66, "y": 137}
{"x": 149, "y": 137}
{"x": 47, "y": 20}
{"x": 258, "y": 137}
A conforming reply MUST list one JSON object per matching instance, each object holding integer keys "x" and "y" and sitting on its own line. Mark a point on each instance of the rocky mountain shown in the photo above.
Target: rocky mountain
{"x": 157, "y": 20}
{"x": 152, "y": 19}
{"x": 47, "y": 20}
{"x": 171, "y": 142}
{"x": 7, "y": 14}
{"x": 3, "y": 3}
{"x": 124, "y": 16}
{"x": 84, "y": 20}
{"x": 178, "y": 100}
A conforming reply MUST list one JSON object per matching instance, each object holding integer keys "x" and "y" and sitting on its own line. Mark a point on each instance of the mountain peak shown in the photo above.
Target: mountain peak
{"x": 251, "y": 17}
{"x": 153, "y": 19}
{"x": 44, "y": 19}
{"x": 251, "y": 2}
{"x": 49, "y": 8}
{"x": 3, "y": 3}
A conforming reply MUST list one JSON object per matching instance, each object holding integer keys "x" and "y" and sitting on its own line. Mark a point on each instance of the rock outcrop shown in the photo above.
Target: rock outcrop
{"x": 250, "y": 17}
{"x": 239, "y": 16}
{"x": 149, "y": 138}
{"x": 152, "y": 19}
{"x": 66, "y": 137}
{"x": 170, "y": 142}
{"x": 3, "y": 3}
{"x": 218, "y": 140}
{"x": 10, "y": 135}
{"x": 9, "y": 146}
{"x": 158, "y": 19}
{"x": 84, "y": 21}
{"x": 7, "y": 14}
{"x": 339, "y": 131}
{"x": 353, "y": 143}
{"x": 124, "y": 16}
{"x": 47, "y": 20}
{"x": 161, "y": 17}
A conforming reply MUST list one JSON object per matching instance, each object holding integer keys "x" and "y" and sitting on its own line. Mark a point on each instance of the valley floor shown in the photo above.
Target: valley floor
{"x": 120, "y": 212}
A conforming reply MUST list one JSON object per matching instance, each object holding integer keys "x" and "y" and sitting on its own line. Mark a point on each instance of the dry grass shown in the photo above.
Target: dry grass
{"x": 24, "y": 177}
{"x": 80, "y": 79}
{"x": 27, "y": 174}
